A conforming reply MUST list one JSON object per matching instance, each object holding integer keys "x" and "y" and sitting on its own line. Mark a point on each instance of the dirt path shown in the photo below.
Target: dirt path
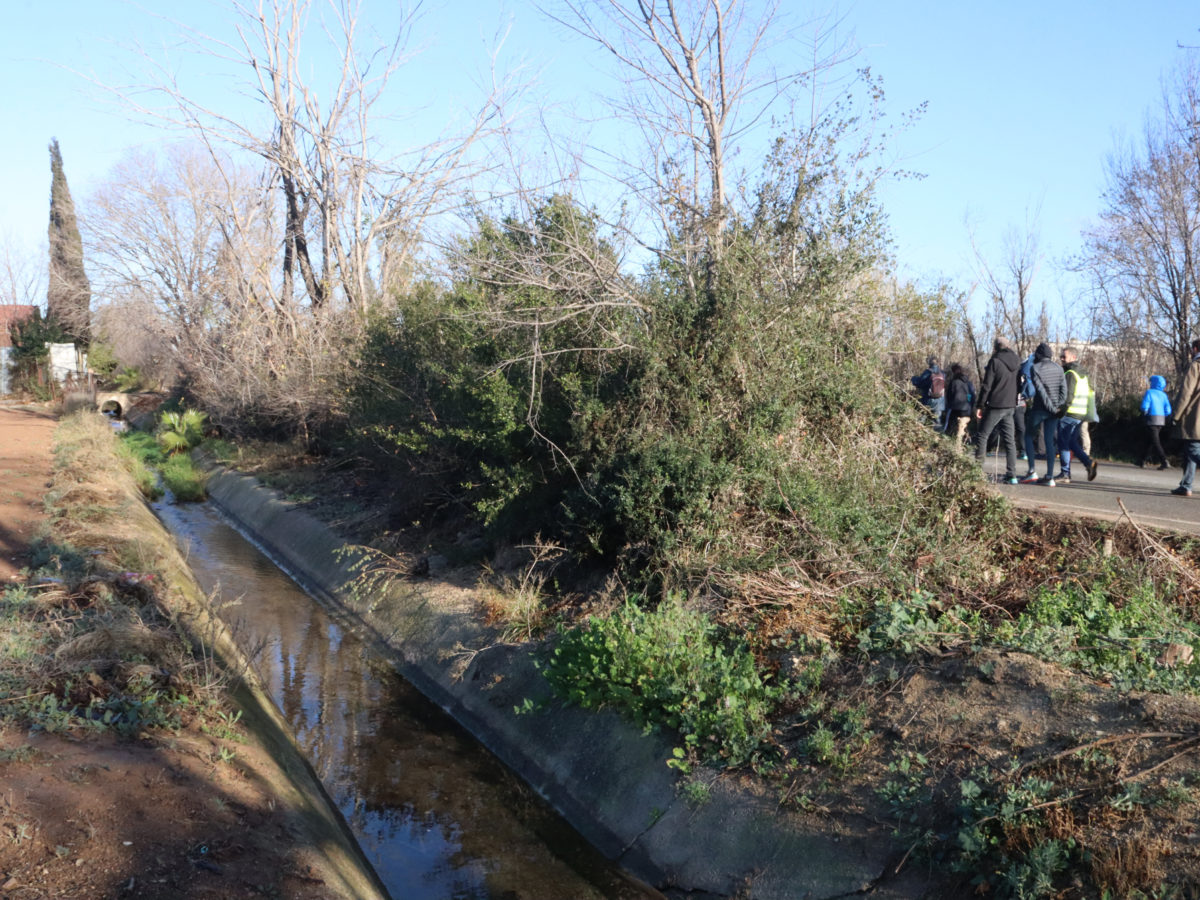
{"x": 25, "y": 441}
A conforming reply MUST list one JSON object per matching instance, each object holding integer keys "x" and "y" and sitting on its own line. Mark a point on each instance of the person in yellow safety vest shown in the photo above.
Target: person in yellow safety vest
{"x": 1081, "y": 407}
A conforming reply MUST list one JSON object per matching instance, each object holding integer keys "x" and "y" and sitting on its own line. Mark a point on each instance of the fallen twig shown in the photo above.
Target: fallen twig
{"x": 1191, "y": 744}
{"x": 1111, "y": 739}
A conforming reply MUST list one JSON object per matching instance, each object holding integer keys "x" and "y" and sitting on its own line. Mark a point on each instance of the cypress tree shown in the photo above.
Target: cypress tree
{"x": 69, "y": 294}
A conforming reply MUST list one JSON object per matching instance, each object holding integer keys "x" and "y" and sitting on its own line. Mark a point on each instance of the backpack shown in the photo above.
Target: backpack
{"x": 1028, "y": 389}
{"x": 937, "y": 385}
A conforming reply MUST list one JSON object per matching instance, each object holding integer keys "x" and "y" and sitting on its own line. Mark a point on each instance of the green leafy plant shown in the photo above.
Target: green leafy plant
{"x": 669, "y": 667}
{"x": 839, "y": 738}
{"x": 180, "y": 431}
{"x": 695, "y": 792}
{"x": 1109, "y": 628}
{"x": 996, "y": 831}
{"x": 905, "y": 625}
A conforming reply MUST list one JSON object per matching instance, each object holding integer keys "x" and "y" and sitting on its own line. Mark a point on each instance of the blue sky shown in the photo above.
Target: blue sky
{"x": 1025, "y": 101}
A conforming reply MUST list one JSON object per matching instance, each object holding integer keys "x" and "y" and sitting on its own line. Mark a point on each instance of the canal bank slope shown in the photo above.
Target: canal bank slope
{"x": 94, "y": 808}
{"x": 603, "y": 775}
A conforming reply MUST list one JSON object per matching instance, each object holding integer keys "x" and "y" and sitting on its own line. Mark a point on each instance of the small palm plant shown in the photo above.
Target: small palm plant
{"x": 179, "y": 432}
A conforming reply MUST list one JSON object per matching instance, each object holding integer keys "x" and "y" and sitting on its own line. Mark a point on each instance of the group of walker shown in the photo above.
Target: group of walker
{"x": 1017, "y": 398}
{"x": 1055, "y": 396}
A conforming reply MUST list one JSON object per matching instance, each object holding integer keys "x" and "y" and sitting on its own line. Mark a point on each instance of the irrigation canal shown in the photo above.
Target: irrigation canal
{"x": 434, "y": 812}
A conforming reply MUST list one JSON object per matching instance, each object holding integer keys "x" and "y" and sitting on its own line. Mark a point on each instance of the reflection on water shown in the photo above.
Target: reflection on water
{"x": 436, "y": 814}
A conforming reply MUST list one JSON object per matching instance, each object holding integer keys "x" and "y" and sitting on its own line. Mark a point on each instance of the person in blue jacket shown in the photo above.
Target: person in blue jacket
{"x": 1156, "y": 408}
{"x": 932, "y": 385}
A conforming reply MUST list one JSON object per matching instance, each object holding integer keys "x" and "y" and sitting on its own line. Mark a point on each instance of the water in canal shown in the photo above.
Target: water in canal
{"x": 437, "y": 815}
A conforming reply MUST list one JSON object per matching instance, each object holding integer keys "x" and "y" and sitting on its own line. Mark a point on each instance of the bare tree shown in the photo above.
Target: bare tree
{"x": 914, "y": 322}
{"x": 696, "y": 80}
{"x": 183, "y": 246}
{"x": 1008, "y": 284}
{"x": 353, "y": 216}
{"x": 265, "y": 268}
{"x": 1143, "y": 257}
{"x": 22, "y": 274}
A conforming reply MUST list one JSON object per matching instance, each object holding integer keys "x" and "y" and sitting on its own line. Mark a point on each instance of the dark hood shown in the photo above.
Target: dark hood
{"x": 1043, "y": 351}
{"x": 1006, "y": 360}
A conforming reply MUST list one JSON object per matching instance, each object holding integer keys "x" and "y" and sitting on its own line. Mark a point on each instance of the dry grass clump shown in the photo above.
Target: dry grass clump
{"x": 782, "y": 601}
{"x": 117, "y": 640}
{"x": 518, "y": 603}
{"x": 839, "y": 518}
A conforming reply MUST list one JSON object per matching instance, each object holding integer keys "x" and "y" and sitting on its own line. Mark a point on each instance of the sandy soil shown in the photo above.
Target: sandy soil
{"x": 97, "y": 816}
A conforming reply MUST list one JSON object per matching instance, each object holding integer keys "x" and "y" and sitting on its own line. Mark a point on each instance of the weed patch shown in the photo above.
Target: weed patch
{"x": 669, "y": 667}
{"x": 1124, "y": 639}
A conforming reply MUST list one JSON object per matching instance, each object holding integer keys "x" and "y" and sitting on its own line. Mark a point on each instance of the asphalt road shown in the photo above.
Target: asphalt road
{"x": 1146, "y": 493}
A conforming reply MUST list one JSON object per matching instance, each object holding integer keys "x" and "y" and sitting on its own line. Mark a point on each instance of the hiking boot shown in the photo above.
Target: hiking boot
{"x": 1010, "y": 479}
{"x": 1181, "y": 492}
{"x": 1093, "y": 468}
{"x": 1046, "y": 480}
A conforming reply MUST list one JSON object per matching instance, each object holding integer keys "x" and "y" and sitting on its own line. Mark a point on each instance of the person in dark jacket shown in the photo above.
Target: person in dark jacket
{"x": 1049, "y": 389}
{"x": 997, "y": 400}
{"x": 959, "y": 395}
{"x": 1156, "y": 408}
{"x": 1187, "y": 417}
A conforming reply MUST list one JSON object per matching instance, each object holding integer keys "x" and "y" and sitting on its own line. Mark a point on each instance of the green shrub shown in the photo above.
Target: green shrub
{"x": 30, "y": 352}
{"x": 706, "y": 421}
{"x": 669, "y": 667}
{"x": 128, "y": 379}
{"x": 101, "y": 359}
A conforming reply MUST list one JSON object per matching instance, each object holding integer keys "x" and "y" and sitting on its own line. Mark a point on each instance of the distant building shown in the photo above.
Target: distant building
{"x": 10, "y": 313}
